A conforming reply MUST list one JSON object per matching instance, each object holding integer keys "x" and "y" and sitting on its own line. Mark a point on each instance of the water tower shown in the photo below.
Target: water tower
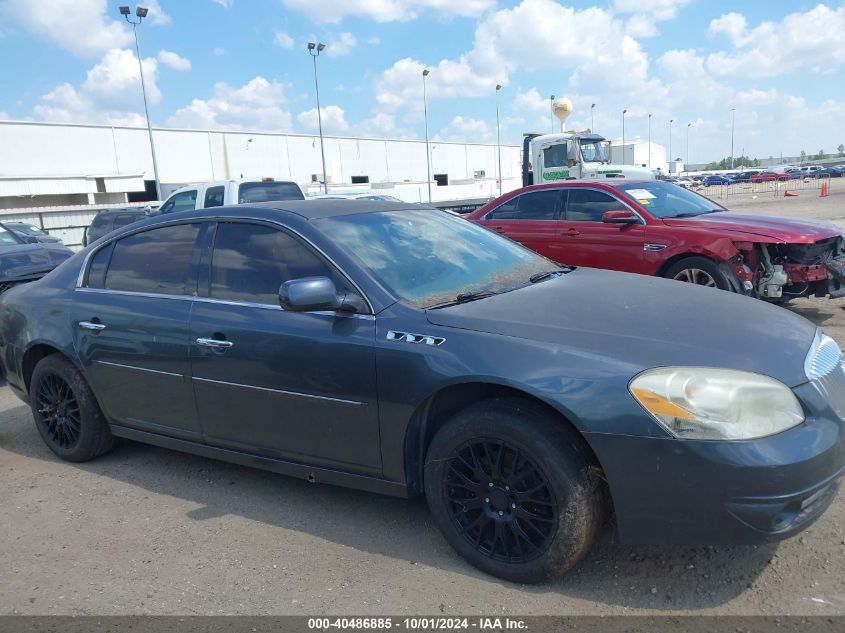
{"x": 562, "y": 107}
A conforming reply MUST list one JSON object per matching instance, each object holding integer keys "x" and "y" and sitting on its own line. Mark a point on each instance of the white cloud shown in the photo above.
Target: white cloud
{"x": 174, "y": 61}
{"x": 341, "y": 45}
{"x": 79, "y": 26}
{"x": 283, "y": 39}
{"x": 218, "y": 51}
{"x": 374, "y": 40}
{"x": 810, "y": 40}
{"x": 385, "y": 10}
{"x": 646, "y": 14}
{"x": 255, "y": 105}
{"x": 66, "y": 104}
{"x": 223, "y": 3}
{"x": 465, "y": 130}
{"x": 334, "y": 120}
{"x": 156, "y": 14}
{"x": 4, "y": 115}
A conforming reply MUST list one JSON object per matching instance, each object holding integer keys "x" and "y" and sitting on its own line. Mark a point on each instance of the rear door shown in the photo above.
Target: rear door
{"x": 592, "y": 242}
{"x": 532, "y": 219}
{"x": 130, "y": 324}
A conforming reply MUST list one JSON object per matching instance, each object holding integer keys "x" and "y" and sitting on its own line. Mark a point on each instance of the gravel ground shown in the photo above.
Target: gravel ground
{"x": 145, "y": 530}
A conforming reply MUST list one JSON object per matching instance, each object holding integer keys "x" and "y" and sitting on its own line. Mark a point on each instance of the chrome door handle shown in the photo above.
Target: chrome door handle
{"x": 88, "y": 325}
{"x": 214, "y": 343}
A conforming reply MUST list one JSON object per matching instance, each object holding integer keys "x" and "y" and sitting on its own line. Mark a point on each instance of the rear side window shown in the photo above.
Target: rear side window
{"x": 251, "y": 261}
{"x": 214, "y": 197}
{"x": 268, "y": 192}
{"x": 184, "y": 201}
{"x": 588, "y": 205}
{"x": 535, "y": 205}
{"x": 156, "y": 261}
{"x": 97, "y": 269}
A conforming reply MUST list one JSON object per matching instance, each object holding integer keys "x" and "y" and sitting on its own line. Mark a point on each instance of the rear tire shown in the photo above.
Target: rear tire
{"x": 701, "y": 271}
{"x": 514, "y": 490}
{"x": 66, "y": 412}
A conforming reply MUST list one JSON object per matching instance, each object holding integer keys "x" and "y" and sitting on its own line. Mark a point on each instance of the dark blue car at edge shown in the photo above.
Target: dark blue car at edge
{"x": 406, "y": 351}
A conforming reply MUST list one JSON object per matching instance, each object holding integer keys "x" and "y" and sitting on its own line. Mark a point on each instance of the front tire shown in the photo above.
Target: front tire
{"x": 66, "y": 412}
{"x": 514, "y": 490}
{"x": 700, "y": 271}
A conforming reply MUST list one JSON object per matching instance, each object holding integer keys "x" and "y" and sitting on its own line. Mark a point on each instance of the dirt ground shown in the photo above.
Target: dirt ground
{"x": 145, "y": 530}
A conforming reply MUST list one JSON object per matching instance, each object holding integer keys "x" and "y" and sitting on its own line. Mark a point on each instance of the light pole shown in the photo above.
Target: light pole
{"x": 427, "y": 151}
{"x": 689, "y": 125}
{"x": 671, "y": 160}
{"x": 141, "y": 13}
{"x": 624, "y": 112}
{"x": 498, "y": 138}
{"x": 552, "y": 112}
{"x": 314, "y": 49}
{"x": 592, "y": 118}
{"x": 733, "y": 118}
{"x": 649, "y": 140}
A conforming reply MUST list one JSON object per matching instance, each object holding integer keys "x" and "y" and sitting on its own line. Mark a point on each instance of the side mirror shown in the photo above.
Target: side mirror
{"x": 312, "y": 294}
{"x": 619, "y": 217}
{"x": 572, "y": 151}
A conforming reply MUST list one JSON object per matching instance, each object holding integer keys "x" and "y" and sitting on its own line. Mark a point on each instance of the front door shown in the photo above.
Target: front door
{"x": 591, "y": 242}
{"x": 130, "y": 325}
{"x": 297, "y": 386}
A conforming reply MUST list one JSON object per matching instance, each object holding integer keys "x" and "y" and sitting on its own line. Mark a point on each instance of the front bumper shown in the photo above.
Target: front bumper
{"x": 670, "y": 491}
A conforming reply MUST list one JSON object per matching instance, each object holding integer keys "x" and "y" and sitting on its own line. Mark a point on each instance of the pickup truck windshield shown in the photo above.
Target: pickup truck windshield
{"x": 428, "y": 257}
{"x": 667, "y": 200}
{"x": 268, "y": 192}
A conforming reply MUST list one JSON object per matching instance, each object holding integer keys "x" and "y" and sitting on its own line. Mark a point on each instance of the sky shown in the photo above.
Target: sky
{"x": 244, "y": 65}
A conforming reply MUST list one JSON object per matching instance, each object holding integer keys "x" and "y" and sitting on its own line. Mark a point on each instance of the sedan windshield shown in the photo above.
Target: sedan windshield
{"x": 667, "y": 200}
{"x": 428, "y": 258}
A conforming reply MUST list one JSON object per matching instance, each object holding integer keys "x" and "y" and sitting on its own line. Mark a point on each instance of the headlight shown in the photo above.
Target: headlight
{"x": 703, "y": 403}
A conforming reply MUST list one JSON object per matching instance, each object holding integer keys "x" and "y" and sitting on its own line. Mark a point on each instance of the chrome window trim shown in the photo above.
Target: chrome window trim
{"x": 356, "y": 403}
{"x": 246, "y": 304}
{"x": 86, "y": 262}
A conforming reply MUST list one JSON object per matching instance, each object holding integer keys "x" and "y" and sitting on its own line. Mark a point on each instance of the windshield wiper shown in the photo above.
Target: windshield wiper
{"x": 546, "y": 274}
{"x": 464, "y": 297}
{"x": 692, "y": 215}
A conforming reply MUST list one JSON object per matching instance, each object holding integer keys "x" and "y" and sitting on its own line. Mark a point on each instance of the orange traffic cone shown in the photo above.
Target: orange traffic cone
{"x": 790, "y": 194}
{"x": 824, "y": 193}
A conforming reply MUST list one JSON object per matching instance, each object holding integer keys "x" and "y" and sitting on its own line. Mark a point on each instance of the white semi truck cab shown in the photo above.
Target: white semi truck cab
{"x": 572, "y": 156}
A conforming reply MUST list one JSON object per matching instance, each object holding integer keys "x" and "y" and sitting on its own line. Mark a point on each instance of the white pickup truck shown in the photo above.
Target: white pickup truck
{"x": 226, "y": 192}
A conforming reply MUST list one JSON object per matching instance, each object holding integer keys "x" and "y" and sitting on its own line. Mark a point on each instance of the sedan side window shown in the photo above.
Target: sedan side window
{"x": 539, "y": 205}
{"x": 588, "y": 205}
{"x": 251, "y": 261}
{"x": 156, "y": 261}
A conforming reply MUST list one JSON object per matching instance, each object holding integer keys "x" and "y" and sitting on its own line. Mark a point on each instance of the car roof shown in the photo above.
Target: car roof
{"x": 307, "y": 209}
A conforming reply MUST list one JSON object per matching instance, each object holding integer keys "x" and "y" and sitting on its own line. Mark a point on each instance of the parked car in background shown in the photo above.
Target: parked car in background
{"x": 407, "y": 351}
{"x": 838, "y": 171}
{"x": 745, "y": 176}
{"x": 226, "y": 192}
{"x": 111, "y": 219}
{"x": 29, "y": 232}
{"x": 686, "y": 181}
{"x": 718, "y": 180}
{"x": 25, "y": 258}
{"x": 656, "y": 228}
{"x": 770, "y": 176}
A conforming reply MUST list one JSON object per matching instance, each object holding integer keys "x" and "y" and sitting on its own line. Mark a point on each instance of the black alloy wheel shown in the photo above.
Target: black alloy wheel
{"x": 500, "y": 501}
{"x": 59, "y": 411}
{"x": 66, "y": 412}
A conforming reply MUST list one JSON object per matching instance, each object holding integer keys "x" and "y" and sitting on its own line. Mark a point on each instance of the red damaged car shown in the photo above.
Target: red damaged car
{"x": 657, "y": 228}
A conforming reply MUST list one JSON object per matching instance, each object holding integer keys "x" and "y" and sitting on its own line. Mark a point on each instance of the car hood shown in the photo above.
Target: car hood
{"x": 26, "y": 260}
{"x": 773, "y": 228}
{"x": 644, "y": 322}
